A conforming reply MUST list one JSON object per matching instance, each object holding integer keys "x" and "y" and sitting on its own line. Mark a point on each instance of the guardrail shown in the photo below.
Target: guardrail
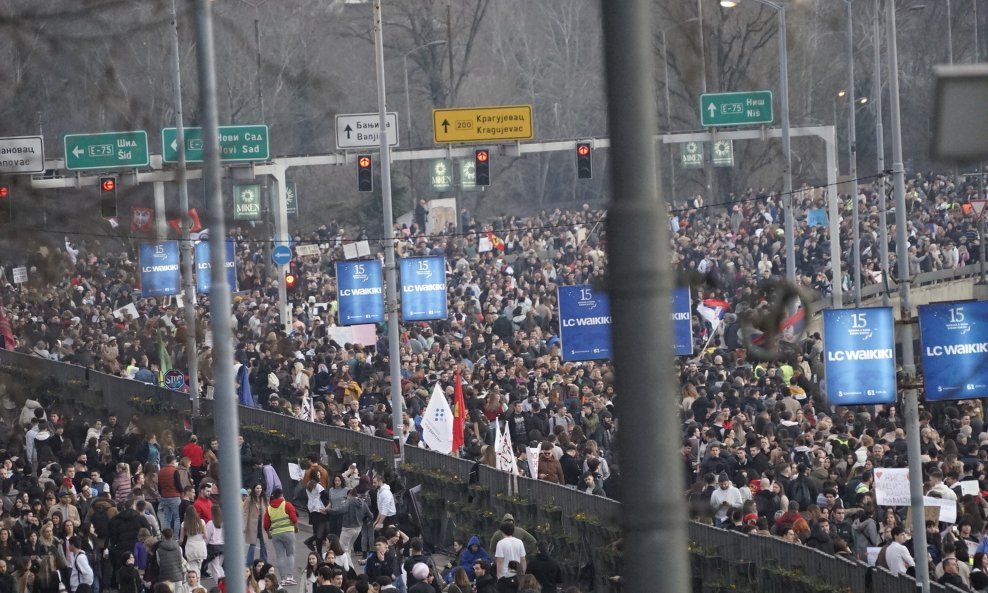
{"x": 719, "y": 556}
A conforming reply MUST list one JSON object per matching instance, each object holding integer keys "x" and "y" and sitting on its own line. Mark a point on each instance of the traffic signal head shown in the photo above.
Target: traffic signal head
{"x": 482, "y": 166}
{"x": 108, "y": 196}
{"x": 584, "y": 160}
{"x": 290, "y": 279}
{"x": 5, "y": 208}
{"x": 365, "y": 173}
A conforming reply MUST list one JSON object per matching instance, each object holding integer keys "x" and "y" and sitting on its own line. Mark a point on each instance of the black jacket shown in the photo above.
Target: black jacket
{"x": 487, "y": 583}
{"x": 124, "y": 528}
{"x": 547, "y": 571}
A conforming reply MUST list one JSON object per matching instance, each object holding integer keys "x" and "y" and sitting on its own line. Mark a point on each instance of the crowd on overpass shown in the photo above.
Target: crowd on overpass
{"x": 763, "y": 427}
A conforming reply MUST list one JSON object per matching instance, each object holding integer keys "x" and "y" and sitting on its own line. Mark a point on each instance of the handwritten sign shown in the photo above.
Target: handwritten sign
{"x": 892, "y": 487}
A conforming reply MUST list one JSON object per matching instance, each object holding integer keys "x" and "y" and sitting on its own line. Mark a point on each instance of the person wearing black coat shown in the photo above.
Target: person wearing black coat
{"x": 821, "y": 537}
{"x": 123, "y": 533}
{"x": 545, "y": 569}
{"x": 572, "y": 467}
{"x": 486, "y": 582}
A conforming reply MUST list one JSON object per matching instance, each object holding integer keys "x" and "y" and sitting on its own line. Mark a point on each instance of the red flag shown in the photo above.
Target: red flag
{"x": 176, "y": 223}
{"x": 7, "y": 342}
{"x": 459, "y": 413}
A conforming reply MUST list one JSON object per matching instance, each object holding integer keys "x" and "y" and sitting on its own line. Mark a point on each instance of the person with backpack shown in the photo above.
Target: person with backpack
{"x": 81, "y": 577}
{"x": 803, "y": 489}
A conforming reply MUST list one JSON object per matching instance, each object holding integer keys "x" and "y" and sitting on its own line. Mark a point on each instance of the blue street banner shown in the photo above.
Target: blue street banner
{"x": 204, "y": 268}
{"x": 682, "y": 322}
{"x": 954, "y": 338}
{"x": 859, "y": 356}
{"x": 423, "y": 288}
{"x": 584, "y": 323}
{"x": 160, "y": 273}
{"x": 360, "y": 291}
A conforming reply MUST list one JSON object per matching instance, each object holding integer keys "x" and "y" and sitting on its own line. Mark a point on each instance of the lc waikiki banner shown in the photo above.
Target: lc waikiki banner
{"x": 859, "y": 356}
{"x": 584, "y": 323}
{"x": 360, "y": 292}
{"x": 423, "y": 288}
{"x": 204, "y": 267}
{"x": 682, "y": 322}
{"x": 955, "y": 350}
{"x": 160, "y": 274}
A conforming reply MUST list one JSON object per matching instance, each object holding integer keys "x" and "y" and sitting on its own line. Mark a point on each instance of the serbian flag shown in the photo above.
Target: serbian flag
{"x": 141, "y": 219}
{"x": 176, "y": 223}
{"x": 7, "y": 340}
{"x": 496, "y": 241}
{"x": 790, "y": 329}
{"x": 459, "y": 413}
{"x": 712, "y": 310}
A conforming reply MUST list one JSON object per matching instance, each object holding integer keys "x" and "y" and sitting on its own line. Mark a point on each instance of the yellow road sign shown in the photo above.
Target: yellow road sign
{"x": 482, "y": 124}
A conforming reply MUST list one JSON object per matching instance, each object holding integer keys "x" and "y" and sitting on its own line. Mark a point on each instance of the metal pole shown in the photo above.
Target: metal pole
{"x": 853, "y": 158}
{"x": 790, "y": 225}
{"x": 910, "y": 393}
{"x": 707, "y": 171}
{"x": 977, "y": 46}
{"x": 672, "y": 153}
{"x": 981, "y": 239}
{"x": 408, "y": 102}
{"x": 883, "y": 227}
{"x": 225, "y": 406}
{"x": 188, "y": 279}
{"x": 265, "y": 187}
{"x": 950, "y": 36}
{"x": 653, "y": 513}
{"x": 390, "y": 271}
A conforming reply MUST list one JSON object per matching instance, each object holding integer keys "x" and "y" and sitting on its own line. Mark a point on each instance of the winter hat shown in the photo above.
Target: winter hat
{"x": 420, "y": 571}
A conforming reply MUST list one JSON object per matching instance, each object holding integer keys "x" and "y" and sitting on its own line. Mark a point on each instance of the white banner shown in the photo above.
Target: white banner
{"x": 437, "y": 423}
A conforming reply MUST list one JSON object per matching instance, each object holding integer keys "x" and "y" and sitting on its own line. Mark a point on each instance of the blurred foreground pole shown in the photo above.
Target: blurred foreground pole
{"x": 640, "y": 286}
{"x": 225, "y": 405}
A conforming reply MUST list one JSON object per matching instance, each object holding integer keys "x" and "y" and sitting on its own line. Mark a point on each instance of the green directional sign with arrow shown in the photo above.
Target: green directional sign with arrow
{"x": 736, "y": 109}
{"x": 107, "y": 150}
{"x": 237, "y": 143}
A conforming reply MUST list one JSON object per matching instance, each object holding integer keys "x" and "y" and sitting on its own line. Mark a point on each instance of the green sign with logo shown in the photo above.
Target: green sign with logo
{"x": 468, "y": 175}
{"x": 247, "y": 202}
{"x": 108, "y": 150}
{"x": 291, "y": 198}
{"x": 722, "y": 154}
{"x": 691, "y": 155}
{"x": 441, "y": 175}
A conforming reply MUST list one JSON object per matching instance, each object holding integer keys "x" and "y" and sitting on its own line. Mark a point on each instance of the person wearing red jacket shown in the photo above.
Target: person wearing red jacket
{"x": 281, "y": 524}
{"x": 193, "y": 450}
{"x": 204, "y": 503}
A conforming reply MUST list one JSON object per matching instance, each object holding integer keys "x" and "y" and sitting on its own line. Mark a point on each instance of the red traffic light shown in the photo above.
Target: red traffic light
{"x": 482, "y": 156}
{"x": 108, "y": 184}
{"x": 364, "y": 161}
{"x": 289, "y": 280}
{"x": 4, "y": 191}
{"x": 583, "y": 149}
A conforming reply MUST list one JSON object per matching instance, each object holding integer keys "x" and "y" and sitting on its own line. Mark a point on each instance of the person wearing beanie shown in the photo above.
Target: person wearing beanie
{"x": 425, "y": 579}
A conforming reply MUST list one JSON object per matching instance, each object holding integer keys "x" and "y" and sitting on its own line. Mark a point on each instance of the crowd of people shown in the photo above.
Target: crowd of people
{"x": 757, "y": 436}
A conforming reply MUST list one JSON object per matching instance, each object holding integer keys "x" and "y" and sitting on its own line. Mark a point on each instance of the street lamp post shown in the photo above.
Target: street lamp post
{"x": 852, "y": 149}
{"x": 790, "y": 226}
{"x": 910, "y": 394}
{"x": 876, "y": 95}
{"x": 408, "y": 103}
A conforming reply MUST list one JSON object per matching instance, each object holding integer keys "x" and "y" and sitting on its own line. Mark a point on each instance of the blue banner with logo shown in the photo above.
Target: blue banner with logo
{"x": 160, "y": 273}
{"x": 423, "y": 288}
{"x": 204, "y": 267}
{"x": 682, "y": 322}
{"x": 360, "y": 291}
{"x": 859, "y": 356}
{"x": 954, "y": 338}
{"x": 584, "y": 323}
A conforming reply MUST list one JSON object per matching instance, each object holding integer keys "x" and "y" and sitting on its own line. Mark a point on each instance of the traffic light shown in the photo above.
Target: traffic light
{"x": 108, "y": 196}
{"x": 5, "y": 208}
{"x": 290, "y": 279}
{"x": 584, "y": 160}
{"x": 482, "y": 166}
{"x": 365, "y": 173}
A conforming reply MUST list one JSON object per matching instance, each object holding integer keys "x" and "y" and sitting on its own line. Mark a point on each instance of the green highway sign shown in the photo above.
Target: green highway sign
{"x": 237, "y": 143}
{"x": 106, "y": 150}
{"x": 736, "y": 109}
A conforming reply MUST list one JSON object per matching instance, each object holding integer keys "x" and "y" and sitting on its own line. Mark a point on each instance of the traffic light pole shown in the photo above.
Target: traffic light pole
{"x": 188, "y": 278}
{"x": 390, "y": 271}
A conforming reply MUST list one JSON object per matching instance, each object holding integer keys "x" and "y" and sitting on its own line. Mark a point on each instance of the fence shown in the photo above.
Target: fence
{"x": 586, "y": 525}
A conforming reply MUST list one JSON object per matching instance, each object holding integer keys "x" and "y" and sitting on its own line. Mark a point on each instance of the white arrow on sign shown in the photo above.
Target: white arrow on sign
{"x": 712, "y": 109}
{"x": 361, "y": 130}
{"x": 175, "y": 145}
{"x": 77, "y": 152}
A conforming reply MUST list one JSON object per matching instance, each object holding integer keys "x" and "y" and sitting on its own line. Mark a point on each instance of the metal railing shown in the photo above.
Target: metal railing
{"x": 734, "y": 557}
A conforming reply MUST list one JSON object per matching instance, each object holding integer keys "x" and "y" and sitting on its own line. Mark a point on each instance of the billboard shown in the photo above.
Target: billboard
{"x": 360, "y": 292}
{"x": 423, "y": 288}
{"x": 859, "y": 356}
{"x": 584, "y": 323}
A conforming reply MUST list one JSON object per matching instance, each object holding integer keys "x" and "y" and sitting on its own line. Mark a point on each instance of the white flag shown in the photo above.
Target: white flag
{"x": 505, "y": 454}
{"x": 437, "y": 423}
